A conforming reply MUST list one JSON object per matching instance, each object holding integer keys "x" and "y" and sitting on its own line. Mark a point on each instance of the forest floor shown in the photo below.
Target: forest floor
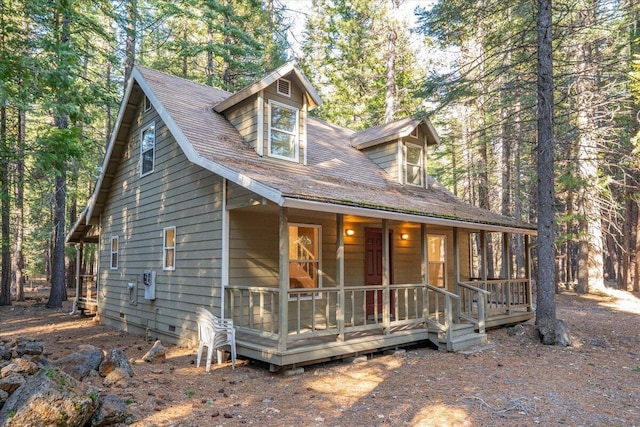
{"x": 515, "y": 381}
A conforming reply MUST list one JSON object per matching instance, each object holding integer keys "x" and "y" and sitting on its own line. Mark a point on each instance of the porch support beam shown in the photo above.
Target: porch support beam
{"x": 483, "y": 252}
{"x": 386, "y": 269}
{"x": 456, "y": 269}
{"x": 424, "y": 249}
{"x": 506, "y": 261}
{"x": 283, "y": 311}
{"x": 340, "y": 274}
{"x": 527, "y": 266}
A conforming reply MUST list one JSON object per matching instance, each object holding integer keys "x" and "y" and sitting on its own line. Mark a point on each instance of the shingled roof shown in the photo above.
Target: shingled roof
{"x": 337, "y": 177}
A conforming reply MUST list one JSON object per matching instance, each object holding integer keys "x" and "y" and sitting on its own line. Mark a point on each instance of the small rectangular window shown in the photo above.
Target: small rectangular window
{"x": 147, "y": 104}
{"x": 169, "y": 248}
{"x": 283, "y": 87}
{"x": 283, "y": 131}
{"x": 147, "y": 149}
{"x": 413, "y": 170}
{"x": 114, "y": 252}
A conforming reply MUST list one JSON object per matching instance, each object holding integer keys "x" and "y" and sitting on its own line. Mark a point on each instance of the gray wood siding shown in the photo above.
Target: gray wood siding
{"x": 243, "y": 116}
{"x": 178, "y": 194}
{"x": 385, "y": 156}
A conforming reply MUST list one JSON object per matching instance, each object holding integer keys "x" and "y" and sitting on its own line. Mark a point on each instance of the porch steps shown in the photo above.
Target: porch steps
{"x": 464, "y": 336}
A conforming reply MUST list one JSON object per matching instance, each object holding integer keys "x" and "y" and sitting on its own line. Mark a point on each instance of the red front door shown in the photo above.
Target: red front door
{"x": 373, "y": 270}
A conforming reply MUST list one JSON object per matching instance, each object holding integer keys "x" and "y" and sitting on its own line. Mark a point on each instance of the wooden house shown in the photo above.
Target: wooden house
{"x": 318, "y": 241}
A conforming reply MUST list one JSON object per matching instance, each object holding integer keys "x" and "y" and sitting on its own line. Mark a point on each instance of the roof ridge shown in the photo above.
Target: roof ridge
{"x": 173, "y": 76}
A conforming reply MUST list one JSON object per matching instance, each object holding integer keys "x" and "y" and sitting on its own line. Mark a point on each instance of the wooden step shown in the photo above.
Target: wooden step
{"x": 463, "y": 336}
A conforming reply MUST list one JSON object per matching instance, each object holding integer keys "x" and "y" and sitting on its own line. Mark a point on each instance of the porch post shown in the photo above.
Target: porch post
{"x": 425, "y": 270}
{"x": 340, "y": 274}
{"x": 506, "y": 259}
{"x": 483, "y": 252}
{"x": 386, "y": 267}
{"x": 283, "y": 311}
{"x": 527, "y": 266}
{"x": 456, "y": 268}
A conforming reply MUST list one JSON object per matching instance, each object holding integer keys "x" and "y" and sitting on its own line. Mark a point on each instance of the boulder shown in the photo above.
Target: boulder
{"x": 19, "y": 366}
{"x": 29, "y": 347}
{"x": 3, "y": 397}
{"x": 11, "y": 383}
{"x": 117, "y": 378}
{"x": 80, "y": 364}
{"x": 112, "y": 410}
{"x": 50, "y": 397}
{"x": 553, "y": 332}
{"x": 157, "y": 353}
{"x": 5, "y": 353}
{"x": 115, "y": 359}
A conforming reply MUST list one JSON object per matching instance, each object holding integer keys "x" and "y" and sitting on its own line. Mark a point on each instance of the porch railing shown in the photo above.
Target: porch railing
{"x": 472, "y": 305}
{"x": 504, "y": 295}
{"x": 317, "y": 312}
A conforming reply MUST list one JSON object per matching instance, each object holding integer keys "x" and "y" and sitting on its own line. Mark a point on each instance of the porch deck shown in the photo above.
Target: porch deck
{"x": 330, "y": 323}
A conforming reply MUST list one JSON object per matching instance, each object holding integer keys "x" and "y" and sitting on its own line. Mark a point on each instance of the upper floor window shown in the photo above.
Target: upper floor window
{"x": 147, "y": 149}
{"x": 283, "y": 131}
{"x": 413, "y": 170}
{"x": 169, "y": 248}
{"x": 115, "y": 243}
{"x": 147, "y": 103}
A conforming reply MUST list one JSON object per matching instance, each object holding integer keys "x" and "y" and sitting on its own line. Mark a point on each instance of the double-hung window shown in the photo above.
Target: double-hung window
{"x": 413, "y": 169}
{"x": 115, "y": 246}
{"x": 169, "y": 248}
{"x": 304, "y": 258}
{"x": 283, "y": 131}
{"x": 147, "y": 149}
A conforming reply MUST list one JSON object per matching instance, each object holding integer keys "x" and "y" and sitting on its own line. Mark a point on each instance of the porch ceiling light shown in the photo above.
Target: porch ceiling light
{"x": 349, "y": 232}
{"x": 404, "y": 236}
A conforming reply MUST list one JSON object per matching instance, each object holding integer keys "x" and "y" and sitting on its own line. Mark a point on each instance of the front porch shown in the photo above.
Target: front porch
{"x": 330, "y": 323}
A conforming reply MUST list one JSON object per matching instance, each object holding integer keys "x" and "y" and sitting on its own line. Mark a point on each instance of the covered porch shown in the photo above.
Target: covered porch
{"x": 327, "y": 300}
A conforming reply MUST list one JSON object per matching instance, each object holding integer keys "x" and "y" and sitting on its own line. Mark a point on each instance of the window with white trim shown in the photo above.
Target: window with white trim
{"x": 115, "y": 246}
{"x": 147, "y": 104}
{"x": 413, "y": 170}
{"x": 304, "y": 259}
{"x": 147, "y": 149}
{"x": 283, "y": 131}
{"x": 169, "y": 248}
{"x": 436, "y": 255}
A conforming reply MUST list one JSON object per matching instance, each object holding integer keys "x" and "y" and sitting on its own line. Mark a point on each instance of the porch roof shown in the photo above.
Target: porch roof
{"x": 337, "y": 177}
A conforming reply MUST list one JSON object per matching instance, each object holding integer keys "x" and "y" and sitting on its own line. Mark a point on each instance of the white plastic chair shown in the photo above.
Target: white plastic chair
{"x": 214, "y": 333}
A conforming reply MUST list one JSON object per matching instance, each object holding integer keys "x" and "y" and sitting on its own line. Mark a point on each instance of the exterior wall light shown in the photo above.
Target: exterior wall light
{"x": 404, "y": 236}
{"x": 349, "y": 232}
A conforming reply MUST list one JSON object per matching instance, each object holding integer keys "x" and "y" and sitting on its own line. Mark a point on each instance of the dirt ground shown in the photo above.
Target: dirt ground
{"x": 515, "y": 382}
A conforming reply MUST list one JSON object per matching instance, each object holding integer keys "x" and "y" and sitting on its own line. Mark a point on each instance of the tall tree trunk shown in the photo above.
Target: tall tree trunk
{"x": 58, "y": 290}
{"x": 591, "y": 230}
{"x": 546, "y": 304}
{"x": 18, "y": 255}
{"x": 130, "y": 46}
{"x": 5, "y": 277}
{"x": 390, "y": 84}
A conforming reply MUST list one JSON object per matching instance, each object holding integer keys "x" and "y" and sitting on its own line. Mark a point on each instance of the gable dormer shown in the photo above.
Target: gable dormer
{"x": 399, "y": 147}
{"x": 271, "y": 114}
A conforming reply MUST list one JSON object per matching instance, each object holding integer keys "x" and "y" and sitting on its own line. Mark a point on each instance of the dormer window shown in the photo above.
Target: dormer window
{"x": 283, "y": 131}
{"x": 283, "y": 87}
{"x": 413, "y": 169}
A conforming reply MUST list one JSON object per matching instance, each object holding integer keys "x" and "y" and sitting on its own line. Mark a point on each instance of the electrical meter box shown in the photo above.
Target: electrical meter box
{"x": 149, "y": 281}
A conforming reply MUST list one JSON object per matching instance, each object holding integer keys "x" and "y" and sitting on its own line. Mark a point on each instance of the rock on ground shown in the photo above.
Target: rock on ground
{"x": 157, "y": 353}
{"x": 112, "y": 410}
{"x": 80, "y": 364}
{"x": 554, "y": 332}
{"x": 50, "y": 397}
